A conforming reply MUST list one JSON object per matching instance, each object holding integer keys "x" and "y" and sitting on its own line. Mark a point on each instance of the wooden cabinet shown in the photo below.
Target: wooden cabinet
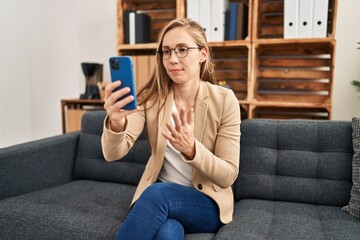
{"x": 271, "y": 76}
{"x": 73, "y": 109}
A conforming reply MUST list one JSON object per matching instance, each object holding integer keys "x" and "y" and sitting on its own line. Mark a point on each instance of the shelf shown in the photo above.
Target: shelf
{"x": 233, "y": 43}
{"x": 276, "y": 41}
{"x": 149, "y": 48}
{"x": 271, "y": 76}
{"x": 73, "y": 109}
{"x": 137, "y": 49}
{"x": 272, "y": 112}
{"x": 294, "y": 73}
{"x": 269, "y": 17}
{"x": 288, "y": 104}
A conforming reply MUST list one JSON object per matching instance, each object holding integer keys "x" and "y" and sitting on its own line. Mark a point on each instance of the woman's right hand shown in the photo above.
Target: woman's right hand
{"x": 114, "y": 108}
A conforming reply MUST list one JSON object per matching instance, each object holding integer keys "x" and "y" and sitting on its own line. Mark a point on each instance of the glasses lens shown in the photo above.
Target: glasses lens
{"x": 166, "y": 53}
{"x": 181, "y": 52}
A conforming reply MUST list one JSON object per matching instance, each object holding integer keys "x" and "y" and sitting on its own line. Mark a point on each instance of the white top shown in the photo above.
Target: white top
{"x": 174, "y": 168}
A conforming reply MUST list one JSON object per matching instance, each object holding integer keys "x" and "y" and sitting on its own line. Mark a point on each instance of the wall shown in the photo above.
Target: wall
{"x": 43, "y": 43}
{"x": 346, "y": 101}
{"x": 15, "y": 70}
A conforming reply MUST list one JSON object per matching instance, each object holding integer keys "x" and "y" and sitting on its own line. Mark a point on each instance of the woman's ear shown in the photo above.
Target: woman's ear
{"x": 204, "y": 54}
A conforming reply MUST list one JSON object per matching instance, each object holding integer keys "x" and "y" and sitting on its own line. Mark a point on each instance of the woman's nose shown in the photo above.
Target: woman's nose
{"x": 173, "y": 57}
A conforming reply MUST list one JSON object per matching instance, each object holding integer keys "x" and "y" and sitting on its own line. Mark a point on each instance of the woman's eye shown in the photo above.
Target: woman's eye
{"x": 182, "y": 50}
{"x": 166, "y": 51}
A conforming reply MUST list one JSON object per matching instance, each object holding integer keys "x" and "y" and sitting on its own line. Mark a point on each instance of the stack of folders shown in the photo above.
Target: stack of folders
{"x": 211, "y": 16}
{"x": 305, "y": 18}
{"x": 236, "y": 21}
{"x": 137, "y": 27}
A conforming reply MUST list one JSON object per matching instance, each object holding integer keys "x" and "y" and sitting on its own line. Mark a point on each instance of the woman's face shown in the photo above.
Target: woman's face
{"x": 182, "y": 70}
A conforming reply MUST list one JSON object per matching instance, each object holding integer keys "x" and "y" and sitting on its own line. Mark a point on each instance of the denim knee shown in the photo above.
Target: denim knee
{"x": 171, "y": 229}
{"x": 152, "y": 194}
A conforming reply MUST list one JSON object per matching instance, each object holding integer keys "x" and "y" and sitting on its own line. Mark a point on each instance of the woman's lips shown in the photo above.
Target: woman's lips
{"x": 175, "y": 70}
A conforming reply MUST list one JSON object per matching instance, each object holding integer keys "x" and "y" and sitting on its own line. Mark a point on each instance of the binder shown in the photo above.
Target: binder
{"x": 233, "y": 6}
{"x": 217, "y": 21}
{"x": 192, "y": 10}
{"x": 137, "y": 27}
{"x": 132, "y": 28}
{"x": 142, "y": 28}
{"x": 242, "y": 20}
{"x": 126, "y": 26}
{"x": 291, "y": 18}
{"x": 227, "y": 26}
{"x": 305, "y": 18}
{"x": 319, "y": 26}
{"x": 205, "y": 17}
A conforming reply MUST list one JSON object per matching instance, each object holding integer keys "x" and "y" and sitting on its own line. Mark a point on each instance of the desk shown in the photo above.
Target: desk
{"x": 73, "y": 109}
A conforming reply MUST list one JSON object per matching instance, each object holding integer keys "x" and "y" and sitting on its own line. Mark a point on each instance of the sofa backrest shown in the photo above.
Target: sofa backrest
{"x": 90, "y": 162}
{"x": 305, "y": 161}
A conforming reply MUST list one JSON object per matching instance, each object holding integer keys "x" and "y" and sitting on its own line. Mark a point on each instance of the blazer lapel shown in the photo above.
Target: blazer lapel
{"x": 201, "y": 108}
{"x": 164, "y": 117}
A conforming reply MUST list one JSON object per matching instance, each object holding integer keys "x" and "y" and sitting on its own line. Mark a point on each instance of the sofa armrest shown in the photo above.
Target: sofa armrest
{"x": 37, "y": 165}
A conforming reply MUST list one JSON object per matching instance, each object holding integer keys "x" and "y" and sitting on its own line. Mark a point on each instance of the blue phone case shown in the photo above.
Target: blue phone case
{"x": 121, "y": 68}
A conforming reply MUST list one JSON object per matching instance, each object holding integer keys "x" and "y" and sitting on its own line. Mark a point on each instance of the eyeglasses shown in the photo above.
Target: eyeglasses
{"x": 180, "y": 51}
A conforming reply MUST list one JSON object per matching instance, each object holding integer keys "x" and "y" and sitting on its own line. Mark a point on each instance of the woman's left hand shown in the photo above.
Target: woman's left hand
{"x": 181, "y": 136}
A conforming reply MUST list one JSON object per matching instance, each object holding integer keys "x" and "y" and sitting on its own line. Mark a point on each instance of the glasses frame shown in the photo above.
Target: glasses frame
{"x": 176, "y": 53}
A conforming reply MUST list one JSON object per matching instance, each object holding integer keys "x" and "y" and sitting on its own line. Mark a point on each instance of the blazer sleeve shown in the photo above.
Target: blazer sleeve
{"x": 117, "y": 145}
{"x": 222, "y": 165}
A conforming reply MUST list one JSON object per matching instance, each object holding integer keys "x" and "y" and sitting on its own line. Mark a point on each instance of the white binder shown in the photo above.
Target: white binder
{"x": 291, "y": 18}
{"x": 305, "y": 18}
{"x": 217, "y": 23}
{"x": 320, "y": 18}
{"x": 192, "y": 10}
{"x": 205, "y": 17}
{"x": 132, "y": 28}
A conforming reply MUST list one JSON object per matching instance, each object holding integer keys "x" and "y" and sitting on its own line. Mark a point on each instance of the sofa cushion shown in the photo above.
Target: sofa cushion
{"x": 37, "y": 165}
{"x": 90, "y": 162}
{"x": 77, "y": 210}
{"x": 273, "y": 220}
{"x": 353, "y": 208}
{"x": 305, "y": 161}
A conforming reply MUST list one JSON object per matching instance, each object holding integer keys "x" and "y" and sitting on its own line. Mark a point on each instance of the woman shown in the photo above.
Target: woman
{"x": 193, "y": 128}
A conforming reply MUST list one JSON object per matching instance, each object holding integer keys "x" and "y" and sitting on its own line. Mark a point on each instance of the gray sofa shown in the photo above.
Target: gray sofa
{"x": 295, "y": 176}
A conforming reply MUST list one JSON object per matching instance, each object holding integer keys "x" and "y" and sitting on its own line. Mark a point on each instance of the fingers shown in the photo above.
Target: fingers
{"x": 120, "y": 104}
{"x": 180, "y": 134}
{"x": 190, "y": 117}
{"x": 187, "y": 116}
{"x": 177, "y": 121}
{"x": 181, "y": 128}
{"x": 114, "y": 106}
{"x": 173, "y": 132}
{"x": 110, "y": 88}
{"x": 112, "y": 98}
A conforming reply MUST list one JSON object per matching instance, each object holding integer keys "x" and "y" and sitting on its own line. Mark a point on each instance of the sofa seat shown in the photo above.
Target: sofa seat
{"x": 276, "y": 220}
{"x": 78, "y": 210}
{"x": 81, "y": 209}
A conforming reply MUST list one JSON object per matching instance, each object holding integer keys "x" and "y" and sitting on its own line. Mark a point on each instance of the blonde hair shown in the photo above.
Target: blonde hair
{"x": 160, "y": 83}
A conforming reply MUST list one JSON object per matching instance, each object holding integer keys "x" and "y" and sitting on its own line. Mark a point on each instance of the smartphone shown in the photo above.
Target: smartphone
{"x": 121, "y": 68}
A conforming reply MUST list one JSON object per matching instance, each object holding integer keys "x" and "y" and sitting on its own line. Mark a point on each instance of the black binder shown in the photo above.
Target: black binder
{"x": 141, "y": 26}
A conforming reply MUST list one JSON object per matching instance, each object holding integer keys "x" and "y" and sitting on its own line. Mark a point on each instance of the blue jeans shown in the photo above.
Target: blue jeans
{"x": 168, "y": 211}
